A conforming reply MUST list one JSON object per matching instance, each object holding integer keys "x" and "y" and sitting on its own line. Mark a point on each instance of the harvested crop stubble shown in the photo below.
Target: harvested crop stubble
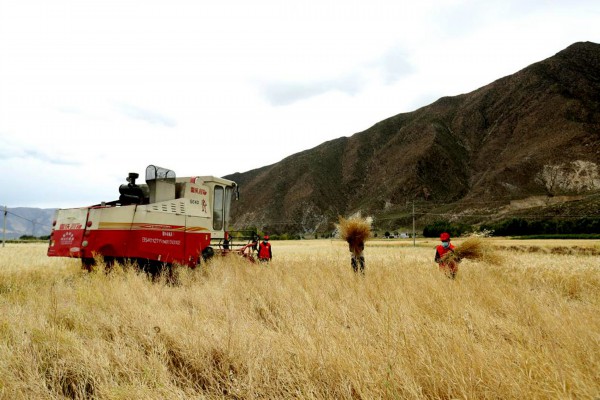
{"x": 473, "y": 248}
{"x": 354, "y": 230}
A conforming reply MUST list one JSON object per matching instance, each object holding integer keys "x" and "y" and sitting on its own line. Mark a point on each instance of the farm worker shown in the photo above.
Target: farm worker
{"x": 449, "y": 267}
{"x": 358, "y": 260}
{"x": 264, "y": 250}
{"x": 255, "y": 240}
{"x": 226, "y": 241}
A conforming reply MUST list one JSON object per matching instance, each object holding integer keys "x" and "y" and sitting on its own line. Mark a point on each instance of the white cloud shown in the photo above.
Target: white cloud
{"x": 90, "y": 91}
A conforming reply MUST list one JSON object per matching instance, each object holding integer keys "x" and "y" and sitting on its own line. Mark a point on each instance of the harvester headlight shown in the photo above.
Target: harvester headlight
{"x": 84, "y": 243}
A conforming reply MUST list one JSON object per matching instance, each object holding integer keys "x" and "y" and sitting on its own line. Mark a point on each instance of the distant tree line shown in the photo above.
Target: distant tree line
{"x": 518, "y": 227}
{"x": 31, "y": 237}
{"x": 28, "y": 238}
{"x": 506, "y": 227}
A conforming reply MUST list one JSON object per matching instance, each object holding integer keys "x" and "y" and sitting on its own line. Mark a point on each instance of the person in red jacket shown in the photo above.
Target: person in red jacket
{"x": 448, "y": 267}
{"x": 264, "y": 250}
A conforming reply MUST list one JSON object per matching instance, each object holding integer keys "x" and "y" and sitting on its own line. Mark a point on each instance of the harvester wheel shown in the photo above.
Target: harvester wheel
{"x": 208, "y": 253}
{"x": 109, "y": 262}
{"x": 88, "y": 264}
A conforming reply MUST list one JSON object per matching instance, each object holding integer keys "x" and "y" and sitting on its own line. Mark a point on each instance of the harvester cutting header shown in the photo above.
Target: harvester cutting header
{"x": 167, "y": 220}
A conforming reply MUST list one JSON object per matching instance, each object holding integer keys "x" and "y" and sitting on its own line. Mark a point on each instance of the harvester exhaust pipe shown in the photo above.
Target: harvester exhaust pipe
{"x": 131, "y": 193}
{"x": 132, "y": 177}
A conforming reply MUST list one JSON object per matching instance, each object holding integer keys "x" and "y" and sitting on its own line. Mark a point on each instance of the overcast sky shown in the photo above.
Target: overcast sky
{"x": 93, "y": 90}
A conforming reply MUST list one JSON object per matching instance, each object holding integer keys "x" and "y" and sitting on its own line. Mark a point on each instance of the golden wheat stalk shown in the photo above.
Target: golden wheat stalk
{"x": 473, "y": 248}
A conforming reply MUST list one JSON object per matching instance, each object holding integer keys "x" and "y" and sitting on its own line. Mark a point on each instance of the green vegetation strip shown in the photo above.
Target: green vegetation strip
{"x": 560, "y": 236}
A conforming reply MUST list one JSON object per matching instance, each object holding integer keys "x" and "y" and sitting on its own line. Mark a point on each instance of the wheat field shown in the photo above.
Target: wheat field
{"x": 304, "y": 326}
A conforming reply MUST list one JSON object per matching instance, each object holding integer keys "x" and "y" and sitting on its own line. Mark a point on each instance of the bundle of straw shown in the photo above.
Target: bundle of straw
{"x": 355, "y": 231}
{"x": 473, "y": 248}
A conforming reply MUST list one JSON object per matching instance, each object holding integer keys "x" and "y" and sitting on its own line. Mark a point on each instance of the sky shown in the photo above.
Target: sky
{"x": 91, "y": 90}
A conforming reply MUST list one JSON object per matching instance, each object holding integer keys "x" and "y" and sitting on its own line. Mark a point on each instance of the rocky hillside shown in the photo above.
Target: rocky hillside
{"x": 526, "y": 140}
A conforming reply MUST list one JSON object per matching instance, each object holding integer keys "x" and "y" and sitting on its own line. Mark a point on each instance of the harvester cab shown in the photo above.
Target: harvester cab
{"x": 166, "y": 220}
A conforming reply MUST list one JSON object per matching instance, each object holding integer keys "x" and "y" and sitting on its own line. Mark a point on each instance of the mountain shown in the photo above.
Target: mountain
{"x": 27, "y": 221}
{"x": 526, "y": 143}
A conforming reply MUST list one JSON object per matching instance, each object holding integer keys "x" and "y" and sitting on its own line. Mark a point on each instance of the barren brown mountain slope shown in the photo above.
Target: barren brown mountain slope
{"x": 533, "y": 133}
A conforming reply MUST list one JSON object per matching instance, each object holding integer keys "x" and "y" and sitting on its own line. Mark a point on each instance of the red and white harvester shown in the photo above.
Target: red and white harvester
{"x": 166, "y": 221}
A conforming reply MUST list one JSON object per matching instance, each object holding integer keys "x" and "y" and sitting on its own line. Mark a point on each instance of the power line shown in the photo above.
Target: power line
{"x": 500, "y": 200}
{"x": 33, "y": 222}
{"x": 27, "y": 219}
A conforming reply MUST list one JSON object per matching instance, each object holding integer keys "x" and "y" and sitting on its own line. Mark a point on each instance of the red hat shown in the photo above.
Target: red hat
{"x": 266, "y": 237}
{"x": 445, "y": 236}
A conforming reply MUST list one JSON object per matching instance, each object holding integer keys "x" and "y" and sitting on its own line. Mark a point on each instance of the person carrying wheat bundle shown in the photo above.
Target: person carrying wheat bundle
{"x": 448, "y": 265}
{"x": 355, "y": 231}
{"x": 473, "y": 248}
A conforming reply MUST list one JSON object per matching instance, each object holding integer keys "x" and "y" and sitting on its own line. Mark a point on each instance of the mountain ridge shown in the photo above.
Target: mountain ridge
{"x": 525, "y": 144}
{"x": 524, "y": 135}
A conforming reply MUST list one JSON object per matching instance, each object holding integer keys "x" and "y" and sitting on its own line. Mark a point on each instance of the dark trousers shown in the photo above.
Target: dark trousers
{"x": 358, "y": 263}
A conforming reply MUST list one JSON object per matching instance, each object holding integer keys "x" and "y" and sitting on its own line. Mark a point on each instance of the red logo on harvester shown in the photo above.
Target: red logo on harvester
{"x": 199, "y": 191}
{"x": 70, "y": 226}
{"x": 66, "y": 239}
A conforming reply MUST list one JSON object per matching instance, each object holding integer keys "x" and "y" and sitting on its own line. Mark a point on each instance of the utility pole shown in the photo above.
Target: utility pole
{"x": 414, "y": 238}
{"x": 4, "y": 228}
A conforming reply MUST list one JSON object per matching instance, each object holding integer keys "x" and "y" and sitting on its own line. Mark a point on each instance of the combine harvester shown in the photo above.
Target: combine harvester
{"x": 166, "y": 221}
